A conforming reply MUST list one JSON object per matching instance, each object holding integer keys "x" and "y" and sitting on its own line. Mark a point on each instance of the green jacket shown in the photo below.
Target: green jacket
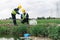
{"x": 26, "y": 16}
{"x": 13, "y": 12}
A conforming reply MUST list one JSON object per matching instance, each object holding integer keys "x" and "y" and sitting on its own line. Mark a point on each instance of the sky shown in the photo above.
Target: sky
{"x": 35, "y": 8}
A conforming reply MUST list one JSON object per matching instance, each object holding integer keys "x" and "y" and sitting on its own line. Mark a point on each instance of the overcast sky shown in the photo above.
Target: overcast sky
{"x": 35, "y": 8}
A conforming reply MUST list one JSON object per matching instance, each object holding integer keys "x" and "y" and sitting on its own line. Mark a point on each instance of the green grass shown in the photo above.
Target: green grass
{"x": 42, "y": 28}
{"x": 39, "y": 21}
{"x": 49, "y": 21}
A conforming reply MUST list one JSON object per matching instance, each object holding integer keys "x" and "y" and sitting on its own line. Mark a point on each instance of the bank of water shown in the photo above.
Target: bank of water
{"x": 3, "y": 38}
{"x": 9, "y": 37}
{"x": 6, "y": 38}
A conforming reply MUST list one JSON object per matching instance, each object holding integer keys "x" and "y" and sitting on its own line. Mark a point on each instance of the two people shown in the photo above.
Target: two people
{"x": 24, "y": 16}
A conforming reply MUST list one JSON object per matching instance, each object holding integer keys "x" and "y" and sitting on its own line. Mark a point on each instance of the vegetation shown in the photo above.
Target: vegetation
{"x": 45, "y": 28}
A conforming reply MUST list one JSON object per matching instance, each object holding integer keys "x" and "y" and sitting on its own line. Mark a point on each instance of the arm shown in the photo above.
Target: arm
{"x": 16, "y": 10}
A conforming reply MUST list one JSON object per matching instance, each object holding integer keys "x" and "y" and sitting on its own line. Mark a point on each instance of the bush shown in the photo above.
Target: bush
{"x": 39, "y": 30}
{"x": 51, "y": 32}
{"x": 51, "y": 17}
{"x": 40, "y": 17}
{"x": 54, "y": 32}
{"x": 19, "y": 30}
{"x": 15, "y": 30}
{"x": 22, "y": 29}
{"x": 4, "y": 30}
{"x": 34, "y": 31}
{"x": 45, "y": 30}
{"x": 58, "y": 32}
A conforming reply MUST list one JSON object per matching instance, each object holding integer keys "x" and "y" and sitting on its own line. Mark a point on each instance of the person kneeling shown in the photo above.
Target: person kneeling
{"x": 24, "y": 17}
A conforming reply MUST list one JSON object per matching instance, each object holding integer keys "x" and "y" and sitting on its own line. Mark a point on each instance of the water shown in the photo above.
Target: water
{"x": 6, "y": 38}
{"x": 12, "y": 39}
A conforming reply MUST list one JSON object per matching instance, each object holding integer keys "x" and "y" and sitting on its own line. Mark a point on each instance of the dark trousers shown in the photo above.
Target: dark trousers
{"x": 25, "y": 21}
{"x": 14, "y": 19}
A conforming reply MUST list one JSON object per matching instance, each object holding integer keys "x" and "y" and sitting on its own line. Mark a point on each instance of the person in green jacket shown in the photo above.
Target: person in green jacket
{"x": 24, "y": 17}
{"x": 13, "y": 14}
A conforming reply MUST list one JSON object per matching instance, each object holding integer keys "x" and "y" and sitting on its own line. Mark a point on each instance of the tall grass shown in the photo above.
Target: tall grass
{"x": 45, "y": 28}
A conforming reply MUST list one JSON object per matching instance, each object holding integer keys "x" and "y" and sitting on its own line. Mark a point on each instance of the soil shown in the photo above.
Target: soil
{"x": 40, "y": 38}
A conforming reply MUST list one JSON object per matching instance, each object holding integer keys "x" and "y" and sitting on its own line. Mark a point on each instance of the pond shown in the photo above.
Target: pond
{"x": 14, "y": 38}
{"x": 6, "y": 38}
{"x": 9, "y": 38}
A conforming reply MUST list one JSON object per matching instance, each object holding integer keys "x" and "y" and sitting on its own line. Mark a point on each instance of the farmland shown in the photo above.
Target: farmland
{"x": 45, "y": 28}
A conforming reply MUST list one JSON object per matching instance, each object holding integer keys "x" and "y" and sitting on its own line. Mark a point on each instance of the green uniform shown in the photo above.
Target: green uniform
{"x": 13, "y": 12}
{"x": 25, "y": 18}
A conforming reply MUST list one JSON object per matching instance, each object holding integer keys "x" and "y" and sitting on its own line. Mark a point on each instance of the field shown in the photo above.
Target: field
{"x": 45, "y": 28}
{"x": 44, "y": 21}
